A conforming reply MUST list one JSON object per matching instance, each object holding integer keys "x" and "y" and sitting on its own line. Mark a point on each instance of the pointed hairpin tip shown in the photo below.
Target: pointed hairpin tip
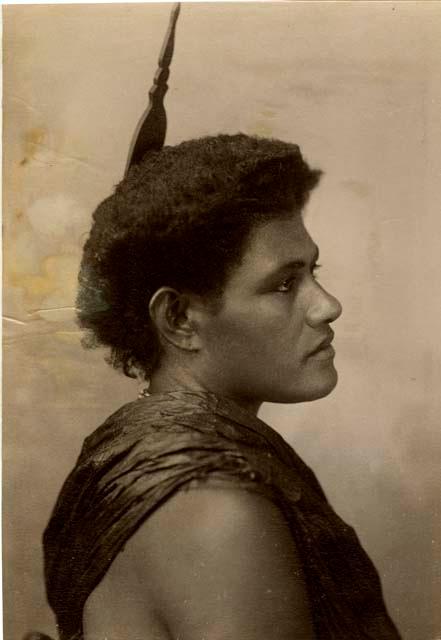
{"x": 150, "y": 132}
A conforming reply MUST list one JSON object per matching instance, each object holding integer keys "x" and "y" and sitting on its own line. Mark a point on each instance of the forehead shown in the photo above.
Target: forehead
{"x": 273, "y": 244}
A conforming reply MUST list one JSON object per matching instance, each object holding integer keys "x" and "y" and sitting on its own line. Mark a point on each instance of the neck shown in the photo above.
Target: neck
{"x": 178, "y": 378}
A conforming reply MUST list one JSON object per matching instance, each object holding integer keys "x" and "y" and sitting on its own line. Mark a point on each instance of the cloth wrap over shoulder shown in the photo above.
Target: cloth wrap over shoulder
{"x": 155, "y": 446}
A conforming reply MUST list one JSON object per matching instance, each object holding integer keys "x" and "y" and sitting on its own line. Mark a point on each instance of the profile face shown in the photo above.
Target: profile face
{"x": 270, "y": 341}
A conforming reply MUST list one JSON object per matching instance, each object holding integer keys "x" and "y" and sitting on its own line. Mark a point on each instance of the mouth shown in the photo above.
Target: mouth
{"x": 326, "y": 353}
{"x": 324, "y": 349}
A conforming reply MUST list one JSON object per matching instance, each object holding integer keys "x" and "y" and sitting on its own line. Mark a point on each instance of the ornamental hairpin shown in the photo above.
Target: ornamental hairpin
{"x": 151, "y": 130}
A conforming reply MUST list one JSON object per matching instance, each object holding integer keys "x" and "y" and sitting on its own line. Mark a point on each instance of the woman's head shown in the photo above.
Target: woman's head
{"x": 181, "y": 219}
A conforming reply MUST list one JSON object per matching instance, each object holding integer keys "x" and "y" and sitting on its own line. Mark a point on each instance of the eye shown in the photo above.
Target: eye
{"x": 287, "y": 285}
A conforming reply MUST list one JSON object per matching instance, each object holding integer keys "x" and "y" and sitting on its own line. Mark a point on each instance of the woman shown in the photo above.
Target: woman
{"x": 186, "y": 516}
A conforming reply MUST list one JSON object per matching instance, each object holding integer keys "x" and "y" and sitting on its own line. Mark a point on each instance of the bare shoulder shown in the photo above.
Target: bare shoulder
{"x": 219, "y": 562}
{"x": 217, "y": 522}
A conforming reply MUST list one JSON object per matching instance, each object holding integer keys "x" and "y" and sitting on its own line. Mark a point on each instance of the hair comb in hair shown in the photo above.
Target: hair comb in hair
{"x": 150, "y": 132}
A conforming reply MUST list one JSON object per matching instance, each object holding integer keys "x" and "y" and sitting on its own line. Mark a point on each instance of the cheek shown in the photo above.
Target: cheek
{"x": 267, "y": 328}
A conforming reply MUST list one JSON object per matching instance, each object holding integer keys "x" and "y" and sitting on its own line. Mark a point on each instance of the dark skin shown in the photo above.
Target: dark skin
{"x": 220, "y": 563}
{"x": 258, "y": 346}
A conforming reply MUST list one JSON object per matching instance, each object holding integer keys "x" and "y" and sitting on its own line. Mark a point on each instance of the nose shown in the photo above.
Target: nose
{"x": 323, "y": 308}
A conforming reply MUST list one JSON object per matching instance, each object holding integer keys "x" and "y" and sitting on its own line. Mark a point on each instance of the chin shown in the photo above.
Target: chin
{"x": 313, "y": 388}
{"x": 319, "y": 393}
{"x": 321, "y": 388}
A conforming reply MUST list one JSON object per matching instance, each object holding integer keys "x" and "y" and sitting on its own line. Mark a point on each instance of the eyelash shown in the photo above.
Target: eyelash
{"x": 286, "y": 285}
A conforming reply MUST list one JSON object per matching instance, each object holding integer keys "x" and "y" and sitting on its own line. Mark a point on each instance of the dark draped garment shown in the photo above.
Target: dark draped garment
{"x": 152, "y": 448}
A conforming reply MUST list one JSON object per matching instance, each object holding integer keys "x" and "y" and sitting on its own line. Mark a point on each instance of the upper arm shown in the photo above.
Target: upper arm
{"x": 220, "y": 564}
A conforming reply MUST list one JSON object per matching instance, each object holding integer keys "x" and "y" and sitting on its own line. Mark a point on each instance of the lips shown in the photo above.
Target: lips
{"x": 324, "y": 344}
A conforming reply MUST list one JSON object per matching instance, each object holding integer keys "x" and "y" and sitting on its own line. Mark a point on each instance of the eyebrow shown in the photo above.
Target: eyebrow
{"x": 291, "y": 265}
{"x": 298, "y": 264}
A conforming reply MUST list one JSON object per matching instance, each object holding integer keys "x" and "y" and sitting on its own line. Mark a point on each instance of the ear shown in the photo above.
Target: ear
{"x": 174, "y": 318}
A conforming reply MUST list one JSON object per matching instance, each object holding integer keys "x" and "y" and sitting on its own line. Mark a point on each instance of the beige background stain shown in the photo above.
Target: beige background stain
{"x": 357, "y": 85}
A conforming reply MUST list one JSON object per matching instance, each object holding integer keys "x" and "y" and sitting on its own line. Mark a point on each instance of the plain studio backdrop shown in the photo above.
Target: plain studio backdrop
{"x": 358, "y": 86}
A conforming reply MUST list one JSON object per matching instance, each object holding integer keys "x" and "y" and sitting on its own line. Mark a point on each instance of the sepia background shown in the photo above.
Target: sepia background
{"x": 358, "y": 86}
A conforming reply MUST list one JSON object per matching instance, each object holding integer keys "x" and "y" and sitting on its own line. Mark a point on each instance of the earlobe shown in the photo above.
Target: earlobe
{"x": 170, "y": 311}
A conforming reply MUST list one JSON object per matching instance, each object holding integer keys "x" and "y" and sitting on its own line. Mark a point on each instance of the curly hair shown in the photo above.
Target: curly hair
{"x": 181, "y": 219}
